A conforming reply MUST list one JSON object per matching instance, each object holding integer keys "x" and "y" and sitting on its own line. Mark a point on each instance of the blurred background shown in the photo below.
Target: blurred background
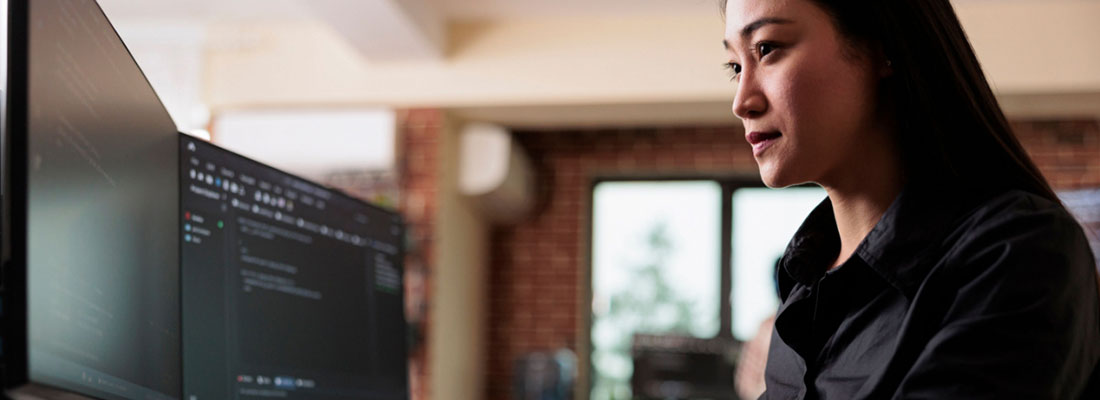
{"x": 586, "y": 219}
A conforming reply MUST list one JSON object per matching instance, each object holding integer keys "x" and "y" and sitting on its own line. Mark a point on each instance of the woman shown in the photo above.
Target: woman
{"x": 942, "y": 265}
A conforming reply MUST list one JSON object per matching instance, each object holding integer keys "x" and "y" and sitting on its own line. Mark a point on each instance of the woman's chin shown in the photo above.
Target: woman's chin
{"x": 774, "y": 177}
{"x": 769, "y": 175}
{"x": 774, "y": 184}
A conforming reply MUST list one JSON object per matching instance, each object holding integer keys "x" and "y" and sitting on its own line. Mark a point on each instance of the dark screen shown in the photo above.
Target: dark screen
{"x": 102, "y": 195}
{"x": 290, "y": 290}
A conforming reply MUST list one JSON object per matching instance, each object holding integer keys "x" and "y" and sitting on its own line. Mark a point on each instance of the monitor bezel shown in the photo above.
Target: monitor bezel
{"x": 14, "y": 303}
{"x": 16, "y": 169}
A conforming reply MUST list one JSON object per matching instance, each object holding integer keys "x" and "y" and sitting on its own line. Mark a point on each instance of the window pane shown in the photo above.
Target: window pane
{"x": 764, "y": 220}
{"x": 655, "y": 269}
{"x": 1085, "y": 206}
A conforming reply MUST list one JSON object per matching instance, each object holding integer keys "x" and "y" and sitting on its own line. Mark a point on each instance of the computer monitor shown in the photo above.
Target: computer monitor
{"x": 290, "y": 290}
{"x": 91, "y": 239}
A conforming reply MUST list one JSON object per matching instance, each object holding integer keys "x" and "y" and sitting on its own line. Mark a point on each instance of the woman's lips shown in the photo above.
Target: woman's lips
{"x": 761, "y": 141}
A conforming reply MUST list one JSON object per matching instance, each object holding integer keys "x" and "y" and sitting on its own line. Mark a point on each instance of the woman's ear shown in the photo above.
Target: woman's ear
{"x": 886, "y": 69}
{"x": 884, "y": 61}
{"x": 881, "y": 63}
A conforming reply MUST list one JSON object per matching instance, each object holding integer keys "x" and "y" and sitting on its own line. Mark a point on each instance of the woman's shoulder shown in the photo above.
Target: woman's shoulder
{"x": 1018, "y": 213}
{"x": 1020, "y": 279}
{"x": 1022, "y": 233}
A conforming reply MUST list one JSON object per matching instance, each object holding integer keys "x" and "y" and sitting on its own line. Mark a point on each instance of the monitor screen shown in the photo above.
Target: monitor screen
{"x": 290, "y": 290}
{"x": 91, "y": 281}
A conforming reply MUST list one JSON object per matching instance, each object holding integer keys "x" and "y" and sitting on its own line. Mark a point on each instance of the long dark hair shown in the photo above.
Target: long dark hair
{"x": 950, "y": 127}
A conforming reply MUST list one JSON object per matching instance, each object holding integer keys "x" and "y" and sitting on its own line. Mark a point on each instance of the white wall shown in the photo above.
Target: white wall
{"x": 1036, "y": 46}
{"x": 312, "y": 142}
{"x": 170, "y": 53}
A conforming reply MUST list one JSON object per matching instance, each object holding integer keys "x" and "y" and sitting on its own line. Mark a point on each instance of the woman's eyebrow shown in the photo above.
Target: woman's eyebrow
{"x": 755, "y": 25}
{"x": 760, "y": 23}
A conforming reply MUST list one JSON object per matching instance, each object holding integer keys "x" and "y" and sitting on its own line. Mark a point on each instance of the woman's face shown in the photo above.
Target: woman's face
{"x": 806, "y": 97}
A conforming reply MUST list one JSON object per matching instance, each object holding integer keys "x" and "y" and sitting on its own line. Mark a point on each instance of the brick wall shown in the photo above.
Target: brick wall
{"x": 537, "y": 265}
{"x": 1067, "y": 152}
{"x": 419, "y": 134}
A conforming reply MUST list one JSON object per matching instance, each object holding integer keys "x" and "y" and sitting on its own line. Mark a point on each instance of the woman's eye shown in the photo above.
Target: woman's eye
{"x": 734, "y": 68}
{"x": 764, "y": 49}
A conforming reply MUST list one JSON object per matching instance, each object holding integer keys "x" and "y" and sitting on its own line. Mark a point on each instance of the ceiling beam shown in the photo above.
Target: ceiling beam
{"x": 387, "y": 30}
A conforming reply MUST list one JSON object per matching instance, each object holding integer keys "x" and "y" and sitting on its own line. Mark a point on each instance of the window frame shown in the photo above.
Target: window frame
{"x": 728, "y": 184}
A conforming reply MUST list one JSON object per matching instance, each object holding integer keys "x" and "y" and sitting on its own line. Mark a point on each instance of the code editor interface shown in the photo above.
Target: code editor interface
{"x": 290, "y": 290}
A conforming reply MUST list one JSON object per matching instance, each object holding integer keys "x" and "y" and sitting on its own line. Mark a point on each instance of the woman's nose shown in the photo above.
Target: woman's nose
{"x": 749, "y": 101}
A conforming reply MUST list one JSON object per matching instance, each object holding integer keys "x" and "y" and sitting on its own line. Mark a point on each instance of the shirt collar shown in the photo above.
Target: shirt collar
{"x": 906, "y": 235}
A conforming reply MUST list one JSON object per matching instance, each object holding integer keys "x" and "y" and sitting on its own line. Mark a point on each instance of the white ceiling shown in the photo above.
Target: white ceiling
{"x": 414, "y": 29}
{"x": 451, "y": 9}
{"x": 203, "y": 10}
{"x": 496, "y": 9}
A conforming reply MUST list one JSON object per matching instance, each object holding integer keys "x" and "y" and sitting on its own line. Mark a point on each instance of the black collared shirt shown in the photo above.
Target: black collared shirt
{"x": 951, "y": 296}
